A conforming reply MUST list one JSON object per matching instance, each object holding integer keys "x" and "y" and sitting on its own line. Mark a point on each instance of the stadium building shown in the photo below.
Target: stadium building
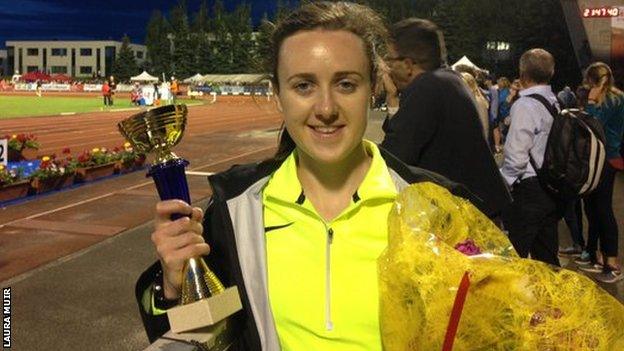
{"x": 4, "y": 69}
{"x": 73, "y": 58}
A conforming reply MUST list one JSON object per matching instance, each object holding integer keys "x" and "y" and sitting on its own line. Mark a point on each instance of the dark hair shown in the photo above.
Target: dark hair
{"x": 355, "y": 18}
{"x": 537, "y": 65}
{"x": 420, "y": 40}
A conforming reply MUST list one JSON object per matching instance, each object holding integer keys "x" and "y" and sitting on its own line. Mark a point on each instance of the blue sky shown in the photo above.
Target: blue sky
{"x": 89, "y": 19}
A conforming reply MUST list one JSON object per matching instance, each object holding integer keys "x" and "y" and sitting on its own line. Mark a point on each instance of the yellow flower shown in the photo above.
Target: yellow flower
{"x": 14, "y": 136}
{"x": 45, "y": 158}
{"x": 94, "y": 150}
{"x": 127, "y": 145}
{"x": 1, "y": 166}
{"x": 103, "y": 149}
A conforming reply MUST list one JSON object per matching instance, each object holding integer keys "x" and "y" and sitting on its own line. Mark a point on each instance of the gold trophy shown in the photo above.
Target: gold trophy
{"x": 203, "y": 296}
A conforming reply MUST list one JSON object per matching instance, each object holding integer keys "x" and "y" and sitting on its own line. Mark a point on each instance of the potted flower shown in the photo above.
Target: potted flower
{"x": 22, "y": 147}
{"x": 12, "y": 186}
{"x": 94, "y": 164}
{"x": 128, "y": 160}
{"x": 54, "y": 173}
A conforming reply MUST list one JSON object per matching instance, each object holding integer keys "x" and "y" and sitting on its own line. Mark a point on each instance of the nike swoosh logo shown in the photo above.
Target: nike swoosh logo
{"x": 268, "y": 229}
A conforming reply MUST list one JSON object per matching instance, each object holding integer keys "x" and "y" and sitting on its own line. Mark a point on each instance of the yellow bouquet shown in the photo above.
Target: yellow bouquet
{"x": 450, "y": 279}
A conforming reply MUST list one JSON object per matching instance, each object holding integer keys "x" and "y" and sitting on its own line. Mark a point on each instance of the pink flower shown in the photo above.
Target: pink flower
{"x": 468, "y": 248}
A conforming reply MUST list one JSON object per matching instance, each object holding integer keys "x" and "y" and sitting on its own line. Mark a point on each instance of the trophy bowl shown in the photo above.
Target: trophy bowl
{"x": 156, "y": 131}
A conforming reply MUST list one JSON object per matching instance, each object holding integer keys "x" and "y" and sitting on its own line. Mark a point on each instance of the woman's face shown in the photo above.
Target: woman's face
{"x": 324, "y": 89}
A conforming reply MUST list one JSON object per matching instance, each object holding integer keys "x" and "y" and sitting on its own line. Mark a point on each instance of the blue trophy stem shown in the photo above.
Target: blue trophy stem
{"x": 170, "y": 181}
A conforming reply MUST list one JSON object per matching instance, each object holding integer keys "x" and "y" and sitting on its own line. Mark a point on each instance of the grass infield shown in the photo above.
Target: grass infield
{"x": 33, "y": 106}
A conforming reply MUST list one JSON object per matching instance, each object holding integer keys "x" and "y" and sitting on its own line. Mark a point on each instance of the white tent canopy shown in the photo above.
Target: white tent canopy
{"x": 235, "y": 78}
{"x": 144, "y": 77}
{"x": 466, "y": 62}
{"x": 198, "y": 78}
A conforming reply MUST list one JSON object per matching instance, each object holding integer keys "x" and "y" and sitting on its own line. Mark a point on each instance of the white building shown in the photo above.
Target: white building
{"x": 71, "y": 57}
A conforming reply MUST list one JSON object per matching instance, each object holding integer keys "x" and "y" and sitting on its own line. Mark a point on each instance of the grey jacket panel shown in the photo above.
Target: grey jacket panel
{"x": 246, "y": 212}
{"x": 399, "y": 182}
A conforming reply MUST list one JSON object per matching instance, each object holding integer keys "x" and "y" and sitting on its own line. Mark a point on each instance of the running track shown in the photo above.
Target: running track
{"x": 99, "y": 129}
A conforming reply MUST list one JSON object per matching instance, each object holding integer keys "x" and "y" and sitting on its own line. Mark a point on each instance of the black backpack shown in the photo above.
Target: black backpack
{"x": 575, "y": 153}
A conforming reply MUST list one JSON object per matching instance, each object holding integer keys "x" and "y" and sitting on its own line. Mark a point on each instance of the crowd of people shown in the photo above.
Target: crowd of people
{"x": 143, "y": 93}
{"x": 534, "y": 215}
{"x": 299, "y": 234}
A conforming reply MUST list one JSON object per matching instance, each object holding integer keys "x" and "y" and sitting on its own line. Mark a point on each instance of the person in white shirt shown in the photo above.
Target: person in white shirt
{"x": 532, "y": 218}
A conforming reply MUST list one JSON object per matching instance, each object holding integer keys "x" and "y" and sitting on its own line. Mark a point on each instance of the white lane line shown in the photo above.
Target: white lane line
{"x": 131, "y": 188}
{"x": 199, "y": 173}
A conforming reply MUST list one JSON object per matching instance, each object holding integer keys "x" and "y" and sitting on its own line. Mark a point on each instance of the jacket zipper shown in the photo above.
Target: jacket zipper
{"x": 329, "y": 325}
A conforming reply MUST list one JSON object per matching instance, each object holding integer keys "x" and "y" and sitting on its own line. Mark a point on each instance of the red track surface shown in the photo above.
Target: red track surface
{"x": 38, "y": 231}
{"x": 99, "y": 129}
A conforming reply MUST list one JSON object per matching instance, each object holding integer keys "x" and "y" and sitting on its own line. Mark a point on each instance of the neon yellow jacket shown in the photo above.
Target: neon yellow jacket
{"x": 322, "y": 276}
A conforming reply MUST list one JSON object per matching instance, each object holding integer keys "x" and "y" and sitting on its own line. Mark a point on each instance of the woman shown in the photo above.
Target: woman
{"x": 482, "y": 103}
{"x": 504, "y": 105}
{"x": 606, "y": 103}
{"x": 299, "y": 234}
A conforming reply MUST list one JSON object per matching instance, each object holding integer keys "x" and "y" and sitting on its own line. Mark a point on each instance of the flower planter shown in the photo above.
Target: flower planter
{"x": 39, "y": 186}
{"x": 29, "y": 154}
{"x": 14, "y": 155}
{"x": 87, "y": 174}
{"x": 139, "y": 162}
{"x": 121, "y": 168}
{"x": 65, "y": 181}
{"x": 26, "y": 154}
{"x": 14, "y": 191}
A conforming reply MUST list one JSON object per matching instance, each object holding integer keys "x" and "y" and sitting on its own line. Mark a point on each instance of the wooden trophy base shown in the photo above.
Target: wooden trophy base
{"x": 204, "y": 313}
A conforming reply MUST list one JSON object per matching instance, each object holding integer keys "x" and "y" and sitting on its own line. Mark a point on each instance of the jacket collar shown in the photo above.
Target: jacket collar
{"x": 240, "y": 178}
{"x": 285, "y": 186}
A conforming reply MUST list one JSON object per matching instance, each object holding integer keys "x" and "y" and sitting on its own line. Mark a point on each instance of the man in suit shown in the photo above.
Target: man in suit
{"x": 436, "y": 126}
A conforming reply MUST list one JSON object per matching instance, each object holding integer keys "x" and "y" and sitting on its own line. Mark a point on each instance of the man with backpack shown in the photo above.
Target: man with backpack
{"x": 532, "y": 218}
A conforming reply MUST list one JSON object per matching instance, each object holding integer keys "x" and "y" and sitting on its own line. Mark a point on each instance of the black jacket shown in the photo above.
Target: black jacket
{"x": 231, "y": 189}
{"x": 437, "y": 128}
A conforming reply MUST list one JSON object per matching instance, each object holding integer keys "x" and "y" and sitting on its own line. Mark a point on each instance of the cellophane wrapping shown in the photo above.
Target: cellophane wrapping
{"x": 512, "y": 303}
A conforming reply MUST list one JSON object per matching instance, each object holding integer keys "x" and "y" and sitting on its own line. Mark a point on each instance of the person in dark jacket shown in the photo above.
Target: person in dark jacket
{"x": 437, "y": 124}
{"x": 272, "y": 227}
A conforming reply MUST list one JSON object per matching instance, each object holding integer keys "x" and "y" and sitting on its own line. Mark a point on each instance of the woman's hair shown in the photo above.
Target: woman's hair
{"x": 472, "y": 84}
{"x": 503, "y": 82}
{"x": 355, "y": 18}
{"x": 596, "y": 72}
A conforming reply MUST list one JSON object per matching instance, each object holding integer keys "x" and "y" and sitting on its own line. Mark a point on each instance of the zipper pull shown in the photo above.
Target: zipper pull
{"x": 330, "y": 235}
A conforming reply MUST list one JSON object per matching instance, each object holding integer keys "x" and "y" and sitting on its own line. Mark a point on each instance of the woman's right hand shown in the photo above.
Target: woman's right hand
{"x": 177, "y": 241}
{"x": 596, "y": 93}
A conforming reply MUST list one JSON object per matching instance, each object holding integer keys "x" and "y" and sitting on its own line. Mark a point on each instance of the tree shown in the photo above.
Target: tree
{"x": 125, "y": 65}
{"x": 221, "y": 45}
{"x": 201, "y": 42}
{"x": 183, "y": 56}
{"x": 242, "y": 45}
{"x": 263, "y": 45}
{"x": 201, "y": 19}
{"x": 158, "y": 46}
